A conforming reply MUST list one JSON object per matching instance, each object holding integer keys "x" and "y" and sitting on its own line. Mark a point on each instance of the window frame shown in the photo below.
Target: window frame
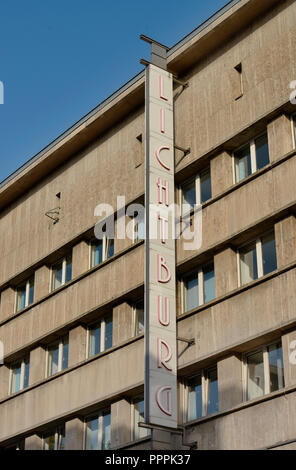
{"x": 197, "y": 180}
{"x": 253, "y": 156}
{"x": 201, "y": 293}
{"x": 100, "y": 417}
{"x": 22, "y": 362}
{"x": 204, "y": 374}
{"x": 105, "y": 248}
{"x": 27, "y": 293}
{"x": 136, "y": 224}
{"x": 102, "y": 323}
{"x": 264, "y": 350}
{"x": 135, "y": 429}
{"x": 60, "y": 343}
{"x": 135, "y": 318}
{"x": 62, "y": 260}
{"x": 259, "y": 257}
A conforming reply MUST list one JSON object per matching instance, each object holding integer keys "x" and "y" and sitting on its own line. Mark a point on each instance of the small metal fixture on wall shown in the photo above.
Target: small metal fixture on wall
{"x": 54, "y": 214}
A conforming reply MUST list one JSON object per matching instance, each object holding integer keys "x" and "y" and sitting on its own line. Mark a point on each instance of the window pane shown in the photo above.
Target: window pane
{"x": 65, "y": 353}
{"x": 110, "y": 248}
{"x": 16, "y": 378}
{"x": 141, "y": 229}
{"x": 106, "y": 432}
{"x": 276, "y": 367}
{"x": 31, "y": 291}
{"x": 57, "y": 275}
{"x": 139, "y": 318}
{"x": 243, "y": 163}
{"x": 21, "y": 297}
{"x": 209, "y": 283}
{"x": 189, "y": 193}
{"x": 269, "y": 254}
{"x": 139, "y": 418}
{"x": 97, "y": 253}
{"x": 62, "y": 439}
{"x": 27, "y": 372}
{"x": 255, "y": 367}
{"x": 49, "y": 442}
{"x": 95, "y": 340}
{"x": 68, "y": 268}
{"x": 262, "y": 152}
{"x": 248, "y": 264}
{"x": 53, "y": 360}
{"x": 108, "y": 332}
{"x": 191, "y": 293}
{"x": 194, "y": 398}
{"x": 92, "y": 434}
{"x": 213, "y": 399}
{"x": 205, "y": 186}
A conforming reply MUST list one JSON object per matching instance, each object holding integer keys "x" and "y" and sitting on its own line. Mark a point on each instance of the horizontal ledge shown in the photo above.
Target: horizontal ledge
{"x": 73, "y": 281}
{"x": 247, "y": 404}
{"x": 72, "y": 368}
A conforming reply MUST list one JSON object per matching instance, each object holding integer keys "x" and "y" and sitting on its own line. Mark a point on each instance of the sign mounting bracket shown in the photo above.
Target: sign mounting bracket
{"x": 190, "y": 341}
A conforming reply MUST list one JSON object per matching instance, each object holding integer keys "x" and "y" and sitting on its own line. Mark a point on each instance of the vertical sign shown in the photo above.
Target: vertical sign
{"x": 160, "y": 285}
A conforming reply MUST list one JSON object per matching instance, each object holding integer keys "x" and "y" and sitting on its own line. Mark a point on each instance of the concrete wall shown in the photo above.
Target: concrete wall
{"x": 254, "y": 427}
{"x": 245, "y": 207}
{"x": 82, "y": 387}
{"x": 75, "y": 300}
{"x": 242, "y": 318}
{"x": 207, "y": 115}
{"x": 97, "y": 175}
{"x": 207, "y": 112}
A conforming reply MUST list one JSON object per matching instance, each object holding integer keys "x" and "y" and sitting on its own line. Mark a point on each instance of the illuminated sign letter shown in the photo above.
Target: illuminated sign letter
{"x": 163, "y": 192}
{"x": 162, "y": 266}
{"x": 161, "y": 87}
{"x": 161, "y": 359}
{"x": 164, "y": 393}
{"x": 157, "y": 154}
{"x": 163, "y": 310}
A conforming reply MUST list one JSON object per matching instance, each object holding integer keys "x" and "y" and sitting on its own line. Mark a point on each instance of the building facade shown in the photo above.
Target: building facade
{"x": 72, "y": 306}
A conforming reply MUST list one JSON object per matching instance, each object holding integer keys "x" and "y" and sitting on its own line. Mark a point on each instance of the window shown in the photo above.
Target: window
{"x": 139, "y": 317}
{"x": 257, "y": 259}
{"x": 101, "y": 250}
{"x": 100, "y": 336}
{"x": 62, "y": 272}
{"x": 264, "y": 371}
{"x": 138, "y": 417}
{"x": 202, "y": 394}
{"x": 25, "y": 294}
{"x": 251, "y": 157}
{"x": 57, "y": 356}
{"x": 54, "y": 440}
{"x": 139, "y": 229}
{"x": 199, "y": 287}
{"x": 19, "y": 375}
{"x": 198, "y": 190}
{"x": 98, "y": 431}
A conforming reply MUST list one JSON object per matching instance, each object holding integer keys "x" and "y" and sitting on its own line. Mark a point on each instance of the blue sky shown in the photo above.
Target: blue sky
{"x": 60, "y": 59}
